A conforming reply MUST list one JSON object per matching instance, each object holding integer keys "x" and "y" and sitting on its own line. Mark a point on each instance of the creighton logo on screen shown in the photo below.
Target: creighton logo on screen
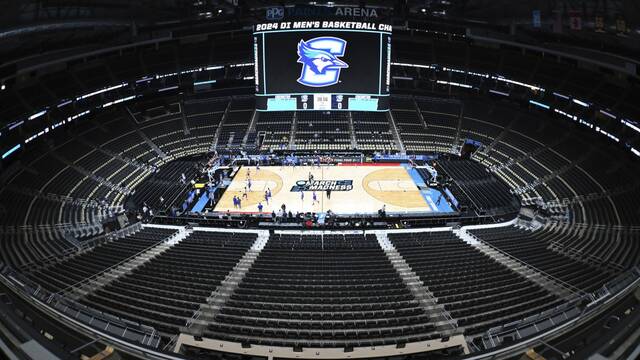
{"x": 319, "y": 59}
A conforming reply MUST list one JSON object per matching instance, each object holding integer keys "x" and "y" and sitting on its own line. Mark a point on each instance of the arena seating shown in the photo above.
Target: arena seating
{"x": 331, "y": 290}
{"x": 167, "y": 290}
{"x": 627, "y": 207}
{"x": 203, "y": 116}
{"x": 441, "y": 119}
{"x": 58, "y": 190}
{"x": 411, "y": 127}
{"x": 327, "y": 131}
{"x": 165, "y": 184}
{"x": 64, "y": 273}
{"x": 520, "y": 160}
{"x": 25, "y": 247}
{"x": 475, "y": 289}
{"x": 276, "y": 127}
{"x": 116, "y": 134}
{"x": 532, "y": 247}
{"x": 479, "y": 130}
{"x": 322, "y": 131}
{"x": 473, "y": 182}
{"x": 603, "y": 246}
{"x": 337, "y": 290}
{"x": 115, "y": 150}
{"x": 372, "y": 131}
{"x": 235, "y": 122}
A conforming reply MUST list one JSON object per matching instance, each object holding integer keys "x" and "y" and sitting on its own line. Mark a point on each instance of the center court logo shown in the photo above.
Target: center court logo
{"x": 319, "y": 59}
{"x": 323, "y": 185}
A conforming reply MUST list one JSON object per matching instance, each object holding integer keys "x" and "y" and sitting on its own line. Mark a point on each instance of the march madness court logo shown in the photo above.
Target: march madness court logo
{"x": 319, "y": 59}
{"x": 322, "y": 185}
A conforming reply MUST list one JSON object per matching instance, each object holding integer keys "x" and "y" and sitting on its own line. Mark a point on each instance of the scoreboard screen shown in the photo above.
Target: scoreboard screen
{"x": 322, "y": 65}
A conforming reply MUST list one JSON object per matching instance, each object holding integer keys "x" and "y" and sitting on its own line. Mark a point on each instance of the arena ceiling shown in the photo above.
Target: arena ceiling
{"x": 17, "y": 13}
{"x": 35, "y": 27}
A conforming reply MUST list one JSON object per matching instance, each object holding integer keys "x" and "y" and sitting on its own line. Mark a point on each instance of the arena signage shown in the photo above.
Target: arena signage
{"x": 279, "y": 12}
{"x": 322, "y": 185}
{"x": 323, "y": 25}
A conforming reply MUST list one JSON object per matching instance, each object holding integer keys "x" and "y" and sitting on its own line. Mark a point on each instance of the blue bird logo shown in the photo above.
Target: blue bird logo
{"x": 318, "y": 60}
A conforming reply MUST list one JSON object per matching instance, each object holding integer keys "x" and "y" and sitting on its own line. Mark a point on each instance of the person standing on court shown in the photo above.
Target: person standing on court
{"x": 328, "y": 193}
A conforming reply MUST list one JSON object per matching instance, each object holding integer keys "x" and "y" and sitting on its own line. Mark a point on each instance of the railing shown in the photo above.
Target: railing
{"x": 453, "y": 323}
{"x": 82, "y": 282}
{"x": 196, "y": 315}
{"x": 171, "y": 344}
{"x": 567, "y": 286}
{"x": 618, "y": 284}
{"x": 73, "y": 311}
{"x": 604, "y": 227}
{"x": 552, "y": 318}
{"x": 84, "y": 246}
{"x": 581, "y": 254}
{"x": 475, "y": 206}
{"x": 52, "y": 196}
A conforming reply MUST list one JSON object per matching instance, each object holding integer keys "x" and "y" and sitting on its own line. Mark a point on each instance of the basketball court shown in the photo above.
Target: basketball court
{"x": 354, "y": 189}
